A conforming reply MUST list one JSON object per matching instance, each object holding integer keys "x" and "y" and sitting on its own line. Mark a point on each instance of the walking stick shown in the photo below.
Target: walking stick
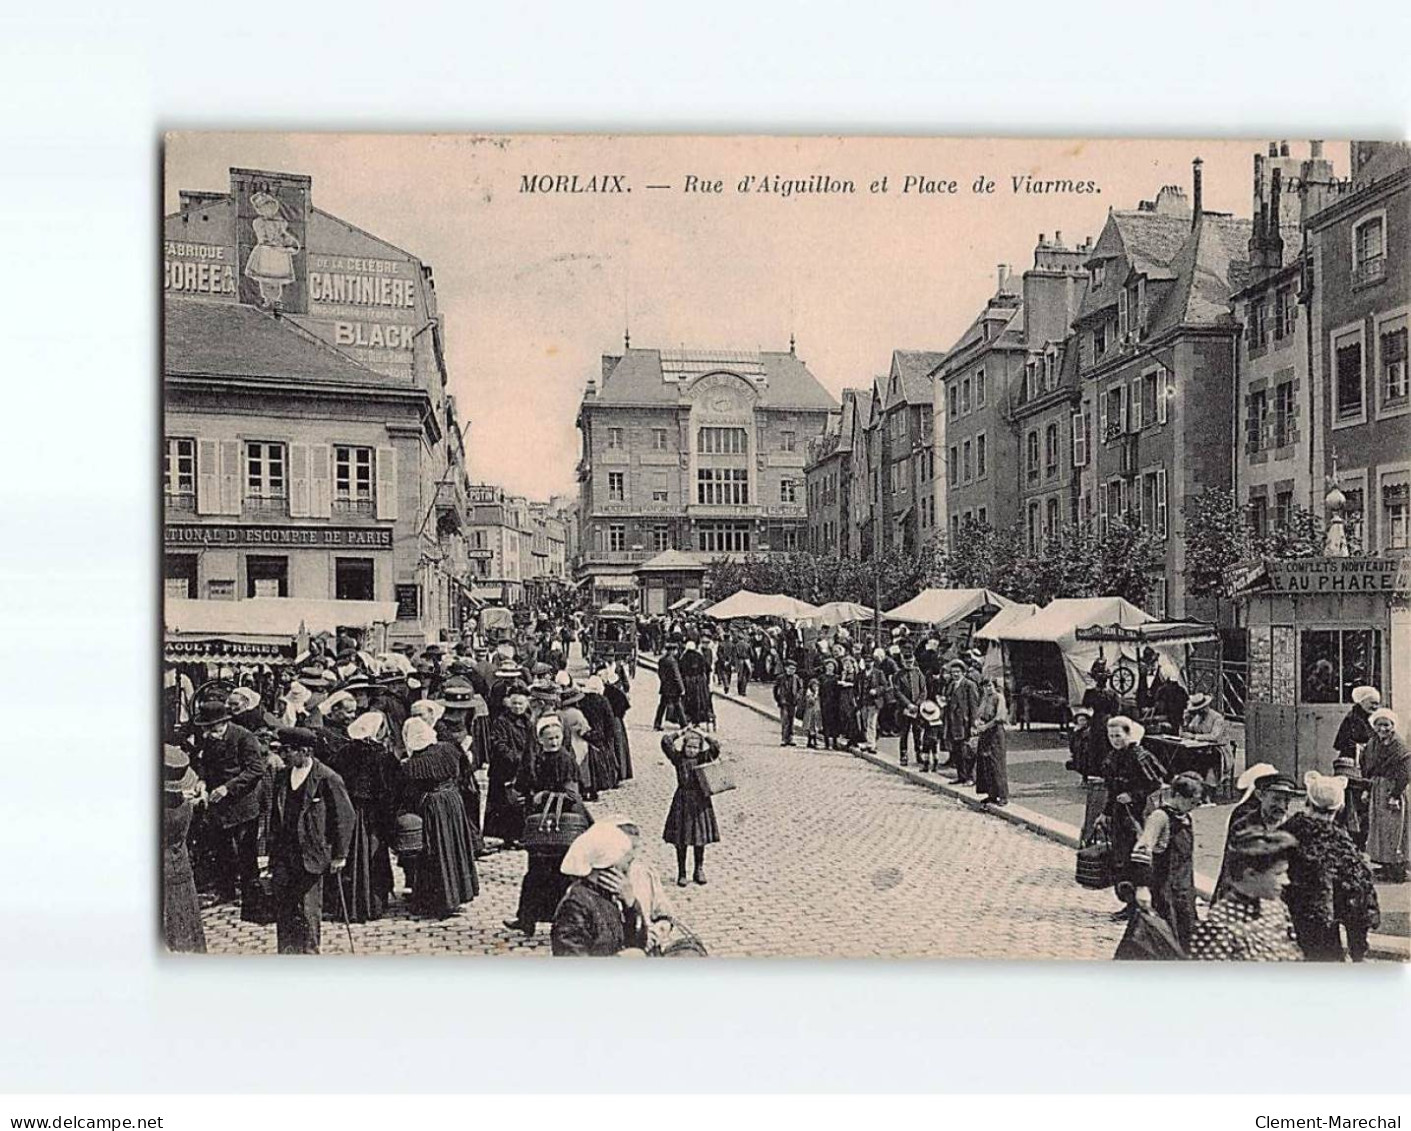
{"x": 343, "y": 903}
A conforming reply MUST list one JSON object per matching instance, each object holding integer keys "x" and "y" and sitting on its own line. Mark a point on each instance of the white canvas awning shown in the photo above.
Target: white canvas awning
{"x": 265, "y": 617}
{"x": 748, "y": 604}
{"x": 946, "y": 606}
{"x": 839, "y": 612}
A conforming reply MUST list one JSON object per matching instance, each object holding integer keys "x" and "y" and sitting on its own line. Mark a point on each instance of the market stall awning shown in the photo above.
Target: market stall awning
{"x": 618, "y": 584}
{"x": 747, "y": 604}
{"x": 946, "y": 606}
{"x": 679, "y": 606}
{"x": 839, "y": 612}
{"x": 994, "y": 628}
{"x": 265, "y": 617}
{"x": 1171, "y": 632}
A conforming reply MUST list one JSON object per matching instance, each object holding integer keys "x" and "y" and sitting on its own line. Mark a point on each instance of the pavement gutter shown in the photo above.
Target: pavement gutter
{"x": 1390, "y": 947}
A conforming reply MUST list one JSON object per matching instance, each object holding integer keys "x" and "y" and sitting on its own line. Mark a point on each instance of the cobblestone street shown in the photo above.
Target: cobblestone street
{"x": 821, "y": 855}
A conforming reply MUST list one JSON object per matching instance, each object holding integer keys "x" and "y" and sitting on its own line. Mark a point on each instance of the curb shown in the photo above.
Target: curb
{"x": 1391, "y": 947}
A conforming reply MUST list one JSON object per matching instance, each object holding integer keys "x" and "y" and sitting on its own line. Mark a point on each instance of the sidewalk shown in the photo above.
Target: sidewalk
{"x": 1050, "y": 800}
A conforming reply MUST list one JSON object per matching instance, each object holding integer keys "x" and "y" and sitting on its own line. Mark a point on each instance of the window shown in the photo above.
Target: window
{"x": 1285, "y": 313}
{"x": 660, "y": 495}
{"x": 179, "y": 483}
{"x": 661, "y": 538}
{"x": 1396, "y": 494}
{"x": 179, "y": 574}
{"x": 1259, "y": 516}
{"x": 1031, "y": 380}
{"x": 980, "y": 456}
{"x": 1258, "y": 324}
{"x": 1114, "y": 412}
{"x": 1285, "y": 414}
{"x": 1051, "y": 451}
{"x": 352, "y": 476}
{"x": 788, "y": 490}
{"x": 1096, "y": 273}
{"x": 1369, "y": 251}
{"x": 1080, "y": 439}
{"x": 982, "y": 516}
{"x": 1111, "y": 504}
{"x": 1256, "y": 420}
{"x": 1283, "y": 509}
{"x": 787, "y": 441}
{"x": 979, "y": 388}
{"x": 1347, "y": 369}
{"x": 723, "y": 442}
{"x": 617, "y": 537}
{"x": 953, "y": 465}
{"x": 1148, "y": 501}
{"x": 617, "y": 486}
{"x": 1051, "y": 518}
{"x": 1157, "y": 599}
{"x": 614, "y": 438}
{"x": 967, "y": 468}
{"x": 1354, "y": 512}
{"x": 1334, "y": 661}
{"x": 965, "y": 396}
{"x": 1122, "y": 320}
{"x": 723, "y": 486}
{"x": 264, "y": 471}
{"x": 1150, "y": 392}
{"x": 266, "y": 577}
{"x": 1031, "y": 463}
{"x": 1391, "y": 362}
{"x": 659, "y": 439}
{"x": 1033, "y": 528}
{"x": 955, "y": 530}
{"x": 1099, "y": 342}
{"x": 352, "y": 579}
{"x": 723, "y": 537}
{"x": 1050, "y": 369}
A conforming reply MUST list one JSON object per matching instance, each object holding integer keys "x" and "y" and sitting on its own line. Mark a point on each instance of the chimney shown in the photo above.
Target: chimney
{"x": 1195, "y": 191}
{"x": 1283, "y": 149}
{"x": 1315, "y": 149}
{"x": 1271, "y": 232}
{"x": 1000, "y": 273}
{"x": 1057, "y": 239}
{"x": 1273, "y": 149}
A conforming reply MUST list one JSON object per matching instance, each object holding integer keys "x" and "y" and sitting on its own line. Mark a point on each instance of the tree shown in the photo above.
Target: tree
{"x": 1218, "y": 537}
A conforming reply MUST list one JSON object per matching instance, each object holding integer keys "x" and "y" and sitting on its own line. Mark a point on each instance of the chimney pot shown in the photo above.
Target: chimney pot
{"x": 1283, "y": 149}
{"x": 1273, "y": 149}
{"x": 1315, "y": 149}
{"x": 1058, "y": 238}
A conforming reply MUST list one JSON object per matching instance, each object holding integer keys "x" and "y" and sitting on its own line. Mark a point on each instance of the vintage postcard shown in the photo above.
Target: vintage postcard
{"x": 786, "y": 546}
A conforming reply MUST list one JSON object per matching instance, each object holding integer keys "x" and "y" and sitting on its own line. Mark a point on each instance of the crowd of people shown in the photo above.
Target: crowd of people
{"x": 342, "y": 762}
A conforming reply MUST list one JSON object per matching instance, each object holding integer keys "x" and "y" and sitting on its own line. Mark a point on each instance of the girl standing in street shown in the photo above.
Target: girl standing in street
{"x": 691, "y": 821}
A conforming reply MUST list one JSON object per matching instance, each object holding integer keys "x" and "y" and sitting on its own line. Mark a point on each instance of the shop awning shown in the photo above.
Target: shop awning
{"x": 839, "y": 612}
{"x": 946, "y": 606}
{"x": 748, "y": 605}
{"x": 619, "y": 584}
{"x": 678, "y": 606}
{"x": 266, "y": 617}
{"x": 995, "y": 627}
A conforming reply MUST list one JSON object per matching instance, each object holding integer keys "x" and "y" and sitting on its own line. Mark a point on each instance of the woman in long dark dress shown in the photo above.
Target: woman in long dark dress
{"x": 615, "y": 692}
{"x": 1102, "y": 701}
{"x": 690, "y": 823}
{"x": 511, "y": 741}
{"x": 445, "y": 875}
{"x": 991, "y": 755}
{"x": 369, "y": 769}
{"x": 1132, "y": 774}
{"x": 181, "y": 908}
{"x": 1330, "y": 887}
{"x": 602, "y": 749}
{"x": 695, "y": 675}
{"x": 828, "y": 704}
{"x": 551, "y": 774}
{"x": 1386, "y": 764}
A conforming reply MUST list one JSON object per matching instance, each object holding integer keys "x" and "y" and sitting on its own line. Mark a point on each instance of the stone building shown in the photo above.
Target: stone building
{"x": 975, "y": 389}
{"x": 500, "y": 543}
{"x": 694, "y": 450}
{"x": 1361, "y": 288}
{"x": 311, "y": 450}
{"x": 1157, "y": 343}
{"x": 906, "y": 452}
{"x": 828, "y": 480}
{"x": 1052, "y": 435}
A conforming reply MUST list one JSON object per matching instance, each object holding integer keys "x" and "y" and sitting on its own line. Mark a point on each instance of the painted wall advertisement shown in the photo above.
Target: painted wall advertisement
{"x": 271, "y": 232}
{"x": 367, "y": 307}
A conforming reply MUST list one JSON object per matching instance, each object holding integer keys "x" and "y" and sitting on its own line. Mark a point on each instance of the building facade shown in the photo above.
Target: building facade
{"x": 500, "y": 543}
{"x": 1361, "y": 289}
{"x": 975, "y": 389}
{"x": 311, "y": 449}
{"x": 700, "y": 451}
{"x": 906, "y": 449}
{"x": 828, "y": 477}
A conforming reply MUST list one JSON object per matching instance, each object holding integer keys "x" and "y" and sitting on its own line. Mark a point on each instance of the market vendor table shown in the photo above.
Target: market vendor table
{"x": 1179, "y": 754}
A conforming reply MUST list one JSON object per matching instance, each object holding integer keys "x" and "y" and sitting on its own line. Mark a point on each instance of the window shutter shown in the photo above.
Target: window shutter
{"x": 231, "y": 469}
{"x": 1161, "y": 503}
{"x": 1102, "y": 416}
{"x": 208, "y": 477}
{"x": 1080, "y": 447}
{"x": 387, "y": 483}
{"x": 1102, "y": 509}
{"x": 1135, "y": 403}
{"x": 1124, "y": 411}
{"x": 1163, "y": 392}
{"x": 320, "y": 481}
{"x": 298, "y": 480}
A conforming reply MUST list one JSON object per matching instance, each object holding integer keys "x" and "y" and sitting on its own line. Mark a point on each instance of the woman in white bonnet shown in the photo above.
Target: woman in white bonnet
{"x": 1330, "y": 887}
{"x": 1386, "y": 763}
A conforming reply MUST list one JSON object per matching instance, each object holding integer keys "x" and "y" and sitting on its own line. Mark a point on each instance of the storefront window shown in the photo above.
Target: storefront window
{"x": 180, "y": 575}
{"x": 266, "y": 577}
{"x": 353, "y": 579}
{"x": 1334, "y": 661}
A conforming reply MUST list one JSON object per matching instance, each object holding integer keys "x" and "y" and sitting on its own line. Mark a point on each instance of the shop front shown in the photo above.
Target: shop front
{"x": 1319, "y": 627}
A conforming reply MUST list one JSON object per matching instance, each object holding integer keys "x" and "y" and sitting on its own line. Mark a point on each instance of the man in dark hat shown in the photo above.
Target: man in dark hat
{"x": 671, "y": 687}
{"x": 788, "y": 692}
{"x": 229, "y": 760}
{"x": 910, "y": 688}
{"x": 962, "y": 702}
{"x": 310, "y": 830}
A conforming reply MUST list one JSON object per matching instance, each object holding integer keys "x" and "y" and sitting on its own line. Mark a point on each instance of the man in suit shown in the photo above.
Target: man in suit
{"x": 231, "y": 763}
{"x": 909, "y": 686}
{"x": 672, "y": 687}
{"x": 788, "y": 690}
{"x": 310, "y": 829}
{"x": 962, "y": 701}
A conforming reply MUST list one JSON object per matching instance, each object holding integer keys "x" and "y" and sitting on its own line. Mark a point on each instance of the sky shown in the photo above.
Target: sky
{"x": 536, "y": 287}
